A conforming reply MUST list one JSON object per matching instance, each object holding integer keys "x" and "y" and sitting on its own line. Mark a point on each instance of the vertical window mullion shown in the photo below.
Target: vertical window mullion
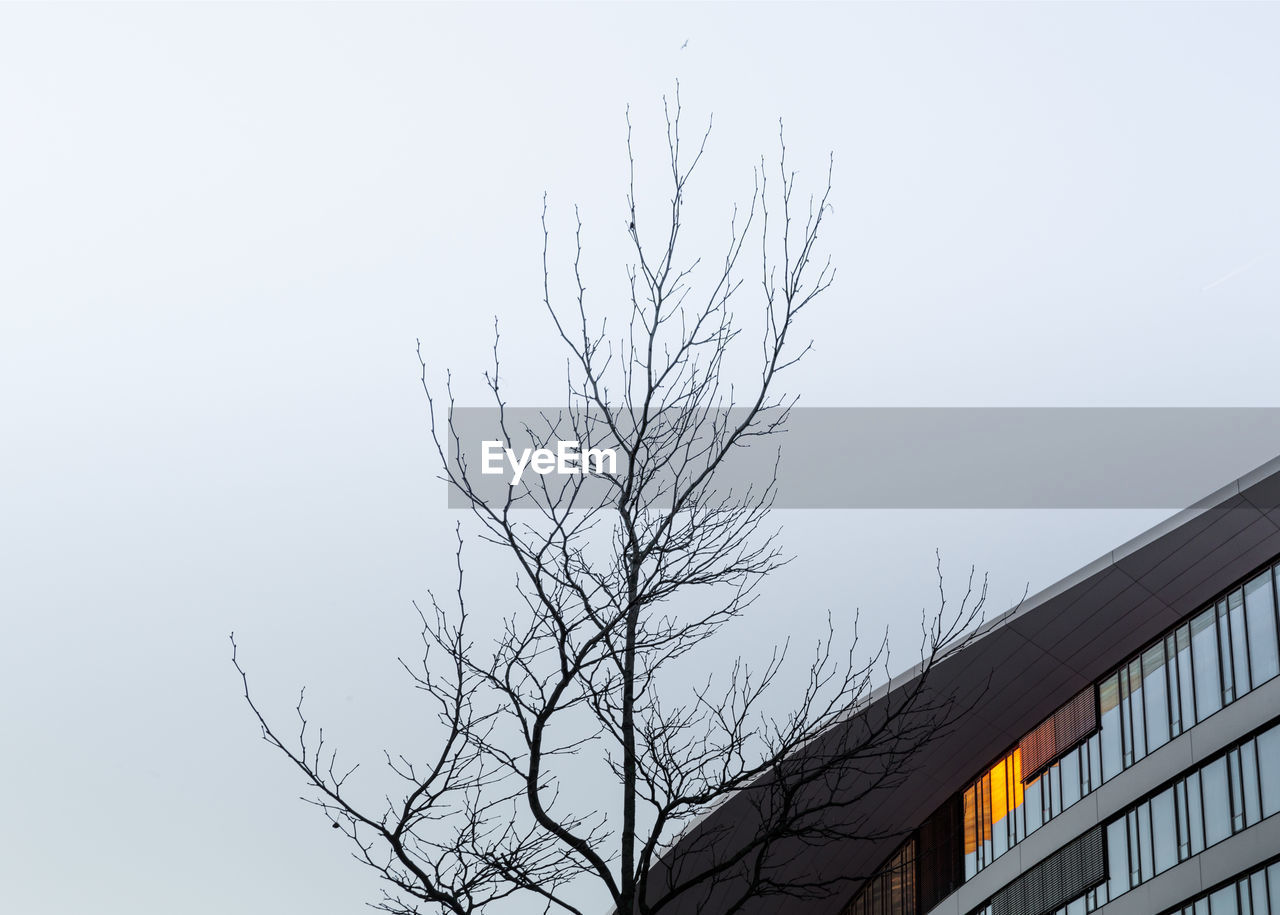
{"x": 1191, "y": 670}
{"x": 1126, "y": 718}
{"x": 1146, "y": 843}
{"x": 1186, "y": 679}
{"x": 1183, "y": 823}
{"x": 987, "y": 842}
{"x": 1195, "y": 809}
{"x": 1275, "y": 612}
{"x": 1235, "y": 785}
{"x": 1226, "y": 660}
{"x": 1138, "y": 699}
{"x": 1131, "y": 842}
{"x": 1243, "y": 649}
{"x": 1252, "y": 782}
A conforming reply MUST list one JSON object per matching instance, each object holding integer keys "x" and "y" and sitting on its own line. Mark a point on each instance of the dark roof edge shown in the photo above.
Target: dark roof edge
{"x": 1215, "y": 500}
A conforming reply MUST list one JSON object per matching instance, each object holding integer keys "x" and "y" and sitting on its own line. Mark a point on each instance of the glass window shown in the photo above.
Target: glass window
{"x": 1135, "y": 848}
{"x": 1195, "y": 813}
{"x": 1145, "y": 843}
{"x": 1135, "y": 731}
{"x": 1259, "y": 606}
{"x": 1016, "y": 795}
{"x": 970, "y": 832}
{"x": 1095, "y": 764}
{"x": 1186, "y": 684}
{"x": 1249, "y": 782}
{"x": 1204, "y": 655}
{"x": 1239, "y": 641}
{"x": 1224, "y": 653}
{"x": 1070, "y": 768}
{"x": 1237, "y": 790}
{"x": 1258, "y": 892}
{"x": 1223, "y": 902}
{"x": 909, "y": 884}
{"x": 1184, "y": 825}
{"x": 1032, "y": 801}
{"x": 1155, "y": 696}
{"x": 1252, "y": 893}
{"x": 1171, "y": 672}
{"x": 984, "y": 821}
{"x": 1001, "y": 802}
{"x": 1109, "y": 707}
{"x": 1217, "y": 801}
{"x": 1117, "y": 858}
{"x": 1164, "y": 831}
{"x": 898, "y": 890}
{"x": 1269, "y": 773}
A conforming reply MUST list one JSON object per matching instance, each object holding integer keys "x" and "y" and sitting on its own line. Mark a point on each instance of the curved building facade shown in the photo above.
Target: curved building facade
{"x": 1119, "y": 752}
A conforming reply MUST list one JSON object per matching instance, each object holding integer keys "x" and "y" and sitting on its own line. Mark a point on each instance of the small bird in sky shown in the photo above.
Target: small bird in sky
{"x": 632, "y": 227}
{"x": 685, "y": 45}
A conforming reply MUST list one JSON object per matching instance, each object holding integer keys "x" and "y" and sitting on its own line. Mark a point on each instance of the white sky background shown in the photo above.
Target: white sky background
{"x": 223, "y": 226}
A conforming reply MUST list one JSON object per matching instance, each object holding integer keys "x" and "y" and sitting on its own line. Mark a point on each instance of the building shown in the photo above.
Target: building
{"x": 1122, "y": 754}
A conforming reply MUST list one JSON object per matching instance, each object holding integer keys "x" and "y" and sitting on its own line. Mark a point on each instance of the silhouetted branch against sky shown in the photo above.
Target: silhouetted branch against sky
{"x": 616, "y": 585}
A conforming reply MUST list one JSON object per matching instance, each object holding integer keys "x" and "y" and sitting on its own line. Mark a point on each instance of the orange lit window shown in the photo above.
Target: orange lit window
{"x": 970, "y": 822}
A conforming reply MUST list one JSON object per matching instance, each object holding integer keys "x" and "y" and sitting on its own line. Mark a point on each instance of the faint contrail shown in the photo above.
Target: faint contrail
{"x": 1241, "y": 269}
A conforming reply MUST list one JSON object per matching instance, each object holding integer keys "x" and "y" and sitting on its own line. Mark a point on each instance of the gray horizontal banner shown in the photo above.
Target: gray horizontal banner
{"x": 920, "y": 457}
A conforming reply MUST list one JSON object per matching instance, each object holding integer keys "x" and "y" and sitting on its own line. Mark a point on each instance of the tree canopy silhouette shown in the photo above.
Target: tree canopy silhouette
{"x": 581, "y": 670}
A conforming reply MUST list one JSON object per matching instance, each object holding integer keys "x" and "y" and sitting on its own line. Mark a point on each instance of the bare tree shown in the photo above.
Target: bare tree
{"x": 577, "y": 673}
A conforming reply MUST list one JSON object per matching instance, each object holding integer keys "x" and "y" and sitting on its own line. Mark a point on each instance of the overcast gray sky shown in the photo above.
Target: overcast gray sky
{"x": 222, "y": 228}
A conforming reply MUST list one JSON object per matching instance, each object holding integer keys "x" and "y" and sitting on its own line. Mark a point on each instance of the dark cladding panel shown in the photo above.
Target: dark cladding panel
{"x": 1059, "y": 733}
{"x": 1066, "y": 875}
